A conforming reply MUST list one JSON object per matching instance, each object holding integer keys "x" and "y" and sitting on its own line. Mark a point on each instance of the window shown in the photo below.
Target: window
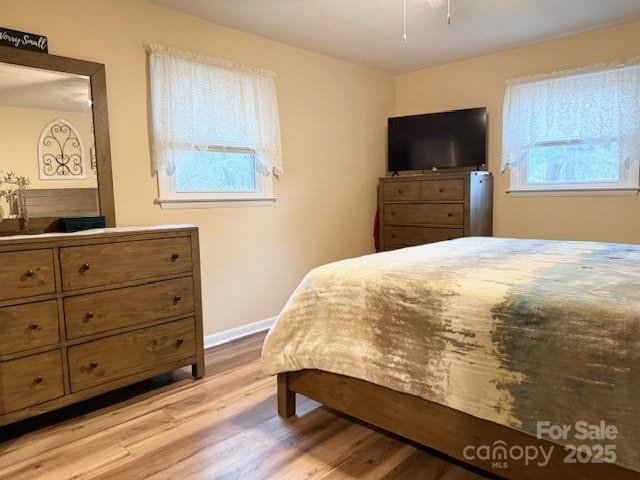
{"x": 574, "y": 131}
{"x": 215, "y": 130}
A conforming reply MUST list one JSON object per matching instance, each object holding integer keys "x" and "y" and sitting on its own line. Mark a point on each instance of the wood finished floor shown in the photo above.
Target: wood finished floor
{"x": 222, "y": 427}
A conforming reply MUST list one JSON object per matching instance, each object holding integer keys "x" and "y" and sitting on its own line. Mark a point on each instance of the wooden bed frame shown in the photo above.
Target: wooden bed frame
{"x": 433, "y": 425}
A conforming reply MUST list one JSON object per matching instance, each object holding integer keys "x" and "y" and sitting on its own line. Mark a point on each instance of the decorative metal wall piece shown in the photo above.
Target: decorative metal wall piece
{"x": 60, "y": 152}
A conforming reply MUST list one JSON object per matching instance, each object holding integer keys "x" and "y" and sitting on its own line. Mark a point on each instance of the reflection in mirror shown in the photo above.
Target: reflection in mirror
{"x": 47, "y": 148}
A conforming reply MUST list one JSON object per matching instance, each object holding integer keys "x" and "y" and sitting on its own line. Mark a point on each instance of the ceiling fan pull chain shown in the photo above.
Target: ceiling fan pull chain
{"x": 432, "y": 4}
{"x": 404, "y": 22}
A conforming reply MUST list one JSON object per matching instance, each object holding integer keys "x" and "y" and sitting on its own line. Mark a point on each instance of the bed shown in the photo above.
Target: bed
{"x": 481, "y": 348}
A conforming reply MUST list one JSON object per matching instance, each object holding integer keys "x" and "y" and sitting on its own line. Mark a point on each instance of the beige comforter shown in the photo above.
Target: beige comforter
{"x": 512, "y": 331}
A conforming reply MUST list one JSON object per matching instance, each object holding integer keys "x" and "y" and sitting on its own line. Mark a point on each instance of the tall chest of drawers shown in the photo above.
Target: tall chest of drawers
{"x": 419, "y": 209}
{"x": 85, "y": 313}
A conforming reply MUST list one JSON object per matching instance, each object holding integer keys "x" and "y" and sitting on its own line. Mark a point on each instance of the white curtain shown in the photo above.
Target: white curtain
{"x": 202, "y": 103}
{"x": 590, "y": 105}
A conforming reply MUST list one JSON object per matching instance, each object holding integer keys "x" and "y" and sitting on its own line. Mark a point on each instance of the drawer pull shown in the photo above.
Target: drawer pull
{"x": 449, "y": 214}
{"x": 88, "y": 316}
{"x": 177, "y": 298}
{"x": 34, "y": 326}
{"x": 29, "y": 273}
{"x": 38, "y": 379}
{"x": 175, "y": 256}
{"x": 85, "y": 268}
{"x": 441, "y": 190}
{"x": 93, "y": 365}
{"x": 400, "y": 191}
{"x": 179, "y": 342}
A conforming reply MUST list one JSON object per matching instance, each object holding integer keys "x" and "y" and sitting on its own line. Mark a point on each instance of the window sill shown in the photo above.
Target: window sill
{"x": 211, "y": 203}
{"x": 575, "y": 192}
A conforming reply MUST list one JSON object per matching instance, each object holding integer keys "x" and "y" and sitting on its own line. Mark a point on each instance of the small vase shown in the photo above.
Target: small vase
{"x": 23, "y": 213}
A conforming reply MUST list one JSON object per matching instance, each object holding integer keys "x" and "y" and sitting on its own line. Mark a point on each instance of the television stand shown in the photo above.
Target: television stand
{"x": 434, "y": 207}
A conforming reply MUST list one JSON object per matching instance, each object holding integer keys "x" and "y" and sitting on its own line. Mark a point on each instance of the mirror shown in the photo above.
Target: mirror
{"x": 52, "y": 165}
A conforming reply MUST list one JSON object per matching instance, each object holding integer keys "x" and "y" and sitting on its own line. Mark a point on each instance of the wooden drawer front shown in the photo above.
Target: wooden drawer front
{"x": 24, "y": 327}
{"x": 25, "y": 274}
{"x": 119, "y": 356}
{"x": 104, "y": 311}
{"x": 424, "y": 213}
{"x": 419, "y": 235}
{"x": 95, "y": 265}
{"x": 398, "y": 191}
{"x": 443, "y": 189}
{"x": 29, "y": 381}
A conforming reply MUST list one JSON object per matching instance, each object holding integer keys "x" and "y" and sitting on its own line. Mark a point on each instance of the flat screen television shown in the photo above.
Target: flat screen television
{"x": 438, "y": 140}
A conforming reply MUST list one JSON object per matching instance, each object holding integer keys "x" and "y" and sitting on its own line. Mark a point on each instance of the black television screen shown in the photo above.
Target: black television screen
{"x": 438, "y": 140}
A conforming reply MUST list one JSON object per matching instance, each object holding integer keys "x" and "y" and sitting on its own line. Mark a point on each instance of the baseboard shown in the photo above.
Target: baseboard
{"x": 238, "y": 332}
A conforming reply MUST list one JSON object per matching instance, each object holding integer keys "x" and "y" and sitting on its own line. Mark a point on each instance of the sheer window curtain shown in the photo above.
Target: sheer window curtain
{"x": 591, "y": 105}
{"x": 203, "y": 103}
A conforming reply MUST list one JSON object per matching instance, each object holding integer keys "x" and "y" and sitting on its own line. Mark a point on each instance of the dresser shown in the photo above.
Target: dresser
{"x": 85, "y": 313}
{"x": 433, "y": 207}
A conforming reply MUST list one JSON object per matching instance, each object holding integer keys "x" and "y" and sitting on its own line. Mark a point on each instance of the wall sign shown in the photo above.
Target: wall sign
{"x": 24, "y": 40}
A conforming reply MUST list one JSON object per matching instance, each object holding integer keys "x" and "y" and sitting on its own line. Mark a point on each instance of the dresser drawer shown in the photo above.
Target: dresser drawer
{"x": 104, "y": 311}
{"x": 30, "y": 380}
{"x": 102, "y": 361}
{"x": 399, "y": 191}
{"x": 25, "y": 274}
{"x": 424, "y": 213}
{"x": 443, "y": 189}
{"x": 419, "y": 235}
{"x": 24, "y": 327}
{"x": 96, "y": 265}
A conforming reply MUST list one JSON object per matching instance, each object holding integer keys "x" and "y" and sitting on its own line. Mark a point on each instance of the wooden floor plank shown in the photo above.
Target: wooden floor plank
{"x": 421, "y": 465}
{"x": 373, "y": 461}
{"x": 68, "y": 432}
{"x": 222, "y": 427}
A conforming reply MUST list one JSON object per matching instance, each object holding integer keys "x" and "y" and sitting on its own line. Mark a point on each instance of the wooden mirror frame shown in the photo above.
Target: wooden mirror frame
{"x": 96, "y": 74}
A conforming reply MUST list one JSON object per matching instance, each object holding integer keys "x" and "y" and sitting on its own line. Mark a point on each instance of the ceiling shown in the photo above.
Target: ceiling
{"x": 370, "y": 31}
{"x": 34, "y": 88}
